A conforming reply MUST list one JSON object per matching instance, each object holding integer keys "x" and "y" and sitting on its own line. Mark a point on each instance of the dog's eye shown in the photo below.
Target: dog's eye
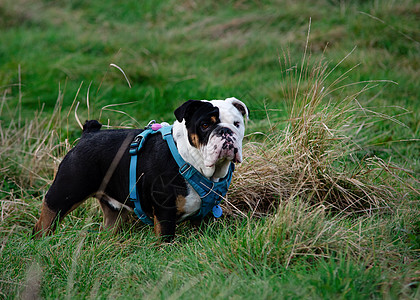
{"x": 205, "y": 125}
{"x": 236, "y": 124}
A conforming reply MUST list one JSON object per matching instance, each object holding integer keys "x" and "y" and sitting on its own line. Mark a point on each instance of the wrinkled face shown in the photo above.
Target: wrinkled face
{"x": 215, "y": 127}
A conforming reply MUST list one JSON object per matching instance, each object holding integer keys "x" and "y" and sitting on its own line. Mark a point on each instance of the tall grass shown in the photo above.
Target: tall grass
{"x": 34, "y": 143}
{"x": 318, "y": 156}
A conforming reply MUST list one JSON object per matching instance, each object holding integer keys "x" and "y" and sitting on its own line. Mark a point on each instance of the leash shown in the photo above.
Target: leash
{"x": 210, "y": 192}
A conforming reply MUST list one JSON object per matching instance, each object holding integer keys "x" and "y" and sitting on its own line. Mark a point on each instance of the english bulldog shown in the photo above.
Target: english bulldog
{"x": 208, "y": 136}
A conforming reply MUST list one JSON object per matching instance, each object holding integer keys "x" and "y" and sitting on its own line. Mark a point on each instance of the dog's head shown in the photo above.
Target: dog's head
{"x": 210, "y": 133}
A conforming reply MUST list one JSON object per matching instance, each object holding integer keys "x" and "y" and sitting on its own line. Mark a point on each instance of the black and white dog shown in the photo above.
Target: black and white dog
{"x": 208, "y": 135}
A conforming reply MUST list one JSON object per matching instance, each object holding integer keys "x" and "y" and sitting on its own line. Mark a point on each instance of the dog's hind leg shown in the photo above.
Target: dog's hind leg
{"x": 47, "y": 218}
{"x": 46, "y": 222}
{"x": 64, "y": 195}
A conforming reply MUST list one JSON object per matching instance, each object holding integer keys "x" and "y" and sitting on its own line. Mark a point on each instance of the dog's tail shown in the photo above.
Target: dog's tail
{"x": 91, "y": 126}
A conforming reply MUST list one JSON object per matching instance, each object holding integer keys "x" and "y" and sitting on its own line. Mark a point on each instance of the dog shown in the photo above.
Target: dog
{"x": 208, "y": 136}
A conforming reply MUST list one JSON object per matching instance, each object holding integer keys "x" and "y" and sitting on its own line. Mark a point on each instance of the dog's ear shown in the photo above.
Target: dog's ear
{"x": 187, "y": 109}
{"x": 239, "y": 105}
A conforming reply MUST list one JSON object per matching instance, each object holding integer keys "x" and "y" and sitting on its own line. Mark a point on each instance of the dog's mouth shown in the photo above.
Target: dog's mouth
{"x": 221, "y": 148}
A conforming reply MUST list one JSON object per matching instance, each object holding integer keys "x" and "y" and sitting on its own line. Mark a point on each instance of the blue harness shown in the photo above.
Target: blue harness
{"x": 210, "y": 192}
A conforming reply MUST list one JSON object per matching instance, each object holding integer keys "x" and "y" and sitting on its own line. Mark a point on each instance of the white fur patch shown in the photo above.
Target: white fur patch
{"x": 192, "y": 203}
{"x": 115, "y": 204}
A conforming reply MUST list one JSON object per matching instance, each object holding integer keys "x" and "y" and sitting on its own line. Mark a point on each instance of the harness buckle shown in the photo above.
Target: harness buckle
{"x": 134, "y": 145}
{"x": 137, "y": 139}
{"x": 184, "y": 168}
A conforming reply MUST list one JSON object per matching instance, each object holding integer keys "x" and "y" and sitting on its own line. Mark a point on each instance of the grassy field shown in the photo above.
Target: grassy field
{"x": 326, "y": 202}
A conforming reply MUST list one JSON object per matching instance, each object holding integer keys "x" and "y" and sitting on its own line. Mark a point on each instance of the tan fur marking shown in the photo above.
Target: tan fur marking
{"x": 156, "y": 228}
{"x": 213, "y": 119}
{"x": 180, "y": 204}
{"x": 43, "y": 226}
{"x": 195, "y": 140}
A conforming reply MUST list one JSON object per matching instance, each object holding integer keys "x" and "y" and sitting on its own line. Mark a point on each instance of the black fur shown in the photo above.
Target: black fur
{"x": 201, "y": 118}
{"x": 84, "y": 170}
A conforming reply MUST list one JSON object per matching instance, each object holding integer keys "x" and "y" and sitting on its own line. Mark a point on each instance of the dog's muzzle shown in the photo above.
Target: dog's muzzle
{"x": 224, "y": 144}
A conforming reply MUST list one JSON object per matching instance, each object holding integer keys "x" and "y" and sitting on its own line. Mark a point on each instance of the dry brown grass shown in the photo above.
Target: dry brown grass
{"x": 32, "y": 147}
{"x": 315, "y": 157}
{"x": 30, "y": 152}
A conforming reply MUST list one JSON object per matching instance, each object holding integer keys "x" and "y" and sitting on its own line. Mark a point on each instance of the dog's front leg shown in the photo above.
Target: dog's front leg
{"x": 164, "y": 224}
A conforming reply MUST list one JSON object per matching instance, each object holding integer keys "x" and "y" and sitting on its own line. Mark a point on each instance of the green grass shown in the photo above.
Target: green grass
{"x": 172, "y": 51}
{"x": 247, "y": 258}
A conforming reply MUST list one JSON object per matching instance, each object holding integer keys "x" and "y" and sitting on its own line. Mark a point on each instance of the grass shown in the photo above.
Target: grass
{"x": 325, "y": 204}
{"x": 253, "y": 258}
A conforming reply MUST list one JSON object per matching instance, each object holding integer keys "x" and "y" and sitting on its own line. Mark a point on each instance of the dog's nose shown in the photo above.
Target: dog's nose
{"x": 225, "y": 131}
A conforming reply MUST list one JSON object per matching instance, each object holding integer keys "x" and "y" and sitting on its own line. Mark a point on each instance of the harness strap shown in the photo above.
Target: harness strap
{"x": 134, "y": 196}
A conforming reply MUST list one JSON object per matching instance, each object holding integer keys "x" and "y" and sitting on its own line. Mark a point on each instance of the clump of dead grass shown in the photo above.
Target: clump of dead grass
{"x": 315, "y": 157}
